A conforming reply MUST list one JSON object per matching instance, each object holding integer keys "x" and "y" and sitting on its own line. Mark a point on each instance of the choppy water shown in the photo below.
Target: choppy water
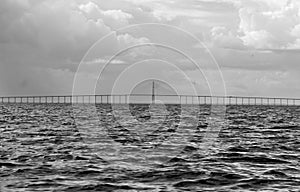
{"x": 58, "y": 147}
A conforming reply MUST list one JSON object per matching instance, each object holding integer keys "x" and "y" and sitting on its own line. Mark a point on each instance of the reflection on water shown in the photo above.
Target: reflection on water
{"x": 58, "y": 147}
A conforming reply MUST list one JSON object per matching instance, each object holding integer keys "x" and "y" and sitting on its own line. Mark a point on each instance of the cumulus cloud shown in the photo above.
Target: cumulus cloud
{"x": 259, "y": 29}
{"x": 42, "y": 42}
{"x": 113, "y": 18}
{"x": 53, "y": 36}
{"x": 223, "y": 37}
{"x": 269, "y": 24}
{"x": 263, "y": 24}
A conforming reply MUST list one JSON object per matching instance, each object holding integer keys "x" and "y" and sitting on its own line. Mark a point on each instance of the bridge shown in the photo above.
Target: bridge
{"x": 152, "y": 98}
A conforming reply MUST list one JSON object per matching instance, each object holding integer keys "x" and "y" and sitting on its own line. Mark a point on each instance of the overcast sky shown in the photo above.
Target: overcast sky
{"x": 256, "y": 44}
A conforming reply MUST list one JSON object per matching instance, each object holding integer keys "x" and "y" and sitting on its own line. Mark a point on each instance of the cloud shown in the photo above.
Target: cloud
{"x": 103, "y": 61}
{"x": 222, "y": 37}
{"x": 113, "y": 18}
{"x": 269, "y": 24}
{"x": 259, "y": 39}
{"x": 263, "y": 24}
{"x": 42, "y": 42}
{"x": 126, "y": 40}
{"x": 52, "y": 36}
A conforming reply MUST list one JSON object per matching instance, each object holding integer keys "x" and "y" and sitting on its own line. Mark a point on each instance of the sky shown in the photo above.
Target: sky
{"x": 232, "y": 47}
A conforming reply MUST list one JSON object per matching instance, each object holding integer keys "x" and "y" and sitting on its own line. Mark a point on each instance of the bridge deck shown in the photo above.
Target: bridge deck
{"x": 148, "y": 98}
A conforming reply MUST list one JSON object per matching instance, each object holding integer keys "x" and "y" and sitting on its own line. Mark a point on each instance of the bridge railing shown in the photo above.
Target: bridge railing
{"x": 148, "y": 98}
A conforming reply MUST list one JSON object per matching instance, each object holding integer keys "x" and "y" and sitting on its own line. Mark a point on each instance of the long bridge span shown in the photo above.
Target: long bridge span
{"x": 151, "y": 98}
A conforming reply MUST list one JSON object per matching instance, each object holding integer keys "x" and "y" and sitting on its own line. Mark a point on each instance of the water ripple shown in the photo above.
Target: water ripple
{"x": 44, "y": 148}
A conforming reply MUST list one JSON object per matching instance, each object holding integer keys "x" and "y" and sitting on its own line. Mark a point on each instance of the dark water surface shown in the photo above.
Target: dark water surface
{"x": 59, "y": 147}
